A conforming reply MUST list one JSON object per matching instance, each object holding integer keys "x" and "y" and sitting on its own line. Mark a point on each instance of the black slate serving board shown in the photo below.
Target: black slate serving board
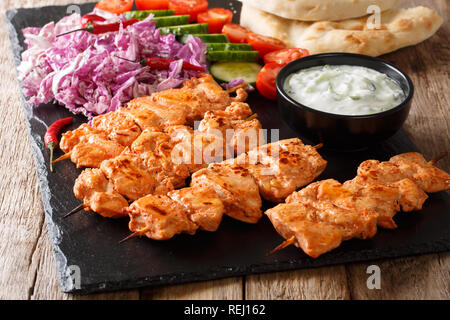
{"x": 87, "y": 244}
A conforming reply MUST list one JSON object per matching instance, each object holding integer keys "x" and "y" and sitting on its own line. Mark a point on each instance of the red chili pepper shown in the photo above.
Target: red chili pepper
{"x": 164, "y": 64}
{"x": 103, "y": 28}
{"x": 87, "y": 18}
{"x": 51, "y": 136}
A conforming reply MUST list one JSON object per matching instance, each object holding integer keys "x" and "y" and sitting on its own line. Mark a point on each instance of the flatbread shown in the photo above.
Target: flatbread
{"x": 399, "y": 28}
{"x": 317, "y": 10}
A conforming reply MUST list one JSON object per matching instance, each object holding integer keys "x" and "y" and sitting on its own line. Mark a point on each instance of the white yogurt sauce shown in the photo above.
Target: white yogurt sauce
{"x": 345, "y": 90}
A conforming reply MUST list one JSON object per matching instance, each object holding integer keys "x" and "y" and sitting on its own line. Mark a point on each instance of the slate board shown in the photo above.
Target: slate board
{"x": 89, "y": 242}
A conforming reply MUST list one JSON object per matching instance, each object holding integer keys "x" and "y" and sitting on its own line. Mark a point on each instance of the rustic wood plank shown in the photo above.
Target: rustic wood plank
{"x": 413, "y": 278}
{"x": 311, "y": 284}
{"x": 226, "y": 289}
{"x": 46, "y": 285}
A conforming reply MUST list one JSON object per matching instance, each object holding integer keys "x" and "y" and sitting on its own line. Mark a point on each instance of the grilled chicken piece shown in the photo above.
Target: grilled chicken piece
{"x": 235, "y": 187}
{"x": 428, "y": 177}
{"x": 247, "y": 135}
{"x": 204, "y": 207}
{"x": 98, "y": 194}
{"x": 70, "y": 139}
{"x": 156, "y": 149}
{"x": 319, "y": 217}
{"x": 118, "y": 126}
{"x": 159, "y": 217}
{"x": 148, "y": 114}
{"x": 134, "y": 178}
{"x": 301, "y": 221}
{"x": 197, "y": 96}
{"x": 356, "y": 220}
{"x": 356, "y": 195}
{"x": 412, "y": 196}
{"x": 410, "y": 165}
{"x": 383, "y": 199}
{"x": 282, "y": 167}
{"x": 238, "y": 134}
{"x": 150, "y": 140}
{"x": 91, "y": 150}
{"x": 195, "y": 149}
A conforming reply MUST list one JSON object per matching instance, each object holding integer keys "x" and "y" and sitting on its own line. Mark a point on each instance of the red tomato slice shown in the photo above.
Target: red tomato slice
{"x": 235, "y": 32}
{"x": 216, "y": 18}
{"x": 284, "y": 56}
{"x": 190, "y": 7}
{"x": 266, "y": 80}
{"x": 152, "y": 4}
{"x": 264, "y": 44}
{"x": 115, "y": 6}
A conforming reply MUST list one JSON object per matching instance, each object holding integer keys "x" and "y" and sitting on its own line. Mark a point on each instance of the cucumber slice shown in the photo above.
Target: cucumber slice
{"x": 207, "y": 38}
{"x": 171, "y": 21}
{"x": 141, "y": 15}
{"x": 227, "y": 71}
{"x": 185, "y": 29}
{"x": 245, "y": 56}
{"x": 228, "y": 47}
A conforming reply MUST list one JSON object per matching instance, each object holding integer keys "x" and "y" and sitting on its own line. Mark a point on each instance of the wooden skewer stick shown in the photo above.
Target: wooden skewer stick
{"x": 231, "y": 90}
{"x": 253, "y": 116}
{"x": 437, "y": 158}
{"x": 135, "y": 234}
{"x": 74, "y": 210}
{"x": 318, "y": 146}
{"x": 63, "y": 157}
{"x": 285, "y": 244}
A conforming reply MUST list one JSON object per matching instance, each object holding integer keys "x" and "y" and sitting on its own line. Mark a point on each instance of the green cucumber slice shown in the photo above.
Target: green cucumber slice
{"x": 141, "y": 15}
{"x": 228, "y": 47}
{"x": 171, "y": 21}
{"x": 185, "y": 29}
{"x": 227, "y": 71}
{"x": 245, "y": 56}
{"x": 207, "y": 38}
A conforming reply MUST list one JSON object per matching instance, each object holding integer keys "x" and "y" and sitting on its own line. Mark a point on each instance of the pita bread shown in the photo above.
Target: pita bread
{"x": 399, "y": 28}
{"x": 317, "y": 10}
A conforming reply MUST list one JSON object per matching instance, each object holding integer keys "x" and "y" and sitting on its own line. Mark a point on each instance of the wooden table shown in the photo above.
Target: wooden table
{"x": 27, "y": 268}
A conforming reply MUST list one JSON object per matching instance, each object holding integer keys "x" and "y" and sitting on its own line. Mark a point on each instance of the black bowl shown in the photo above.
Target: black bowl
{"x": 344, "y": 132}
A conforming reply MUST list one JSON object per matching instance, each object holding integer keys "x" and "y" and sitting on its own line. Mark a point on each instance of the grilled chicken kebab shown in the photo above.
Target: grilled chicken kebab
{"x": 231, "y": 187}
{"x": 109, "y": 134}
{"x": 319, "y": 217}
{"x": 158, "y": 162}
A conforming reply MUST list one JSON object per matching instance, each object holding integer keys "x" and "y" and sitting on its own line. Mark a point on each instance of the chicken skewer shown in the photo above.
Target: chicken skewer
{"x": 149, "y": 166}
{"x": 230, "y": 186}
{"x": 376, "y": 194}
{"x": 112, "y": 132}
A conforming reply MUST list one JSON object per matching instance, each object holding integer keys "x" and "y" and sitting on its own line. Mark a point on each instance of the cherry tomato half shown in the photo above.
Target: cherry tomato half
{"x": 235, "y": 32}
{"x": 190, "y": 7}
{"x": 284, "y": 56}
{"x": 152, "y": 4}
{"x": 264, "y": 44}
{"x": 216, "y": 18}
{"x": 115, "y": 6}
{"x": 266, "y": 80}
